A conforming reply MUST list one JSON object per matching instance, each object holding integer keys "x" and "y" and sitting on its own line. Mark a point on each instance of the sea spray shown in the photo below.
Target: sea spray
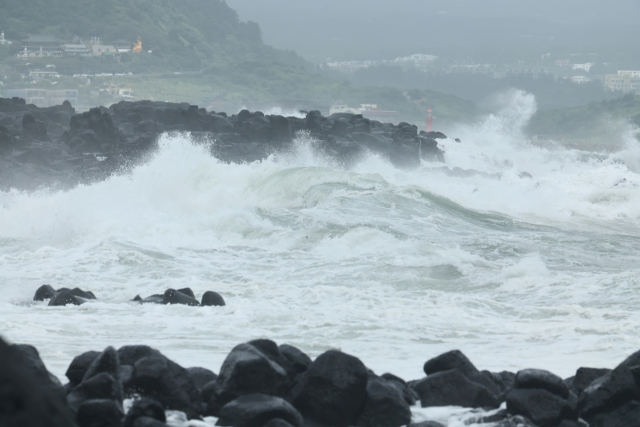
{"x": 392, "y": 265}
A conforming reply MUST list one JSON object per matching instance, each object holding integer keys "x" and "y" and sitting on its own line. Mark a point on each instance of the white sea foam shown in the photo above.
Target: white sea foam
{"x": 393, "y": 266}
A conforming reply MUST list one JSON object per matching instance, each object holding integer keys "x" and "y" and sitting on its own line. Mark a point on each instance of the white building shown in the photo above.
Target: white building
{"x": 580, "y": 79}
{"x": 2, "y": 40}
{"x": 99, "y": 49}
{"x": 418, "y": 58}
{"x": 586, "y": 67}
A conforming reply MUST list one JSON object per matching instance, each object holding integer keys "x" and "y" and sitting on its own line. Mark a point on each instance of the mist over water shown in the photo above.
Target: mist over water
{"x": 520, "y": 256}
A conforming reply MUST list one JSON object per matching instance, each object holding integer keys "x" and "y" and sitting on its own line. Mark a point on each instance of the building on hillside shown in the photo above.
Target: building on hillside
{"x": 99, "y": 49}
{"x": 3, "y": 40}
{"x": 562, "y": 62}
{"x": 371, "y": 111}
{"x": 38, "y": 75}
{"x": 123, "y": 46}
{"x": 580, "y": 79}
{"x": 626, "y": 81}
{"x": 76, "y": 49}
{"x": 343, "y": 108}
{"x": 418, "y": 59}
{"x": 41, "y": 45}
{"x": 586, "y": 66}
{"x": 121, "y": 90}
{"x": 44, "y": 98}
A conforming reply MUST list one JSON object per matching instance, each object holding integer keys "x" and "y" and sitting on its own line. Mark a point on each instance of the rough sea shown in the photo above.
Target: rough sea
{"x": 520, "y": 256}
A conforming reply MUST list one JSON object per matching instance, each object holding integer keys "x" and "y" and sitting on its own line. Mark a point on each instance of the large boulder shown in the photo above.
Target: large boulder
{"x": 158, "y": 378}
{"x": 201, "y": 376}
{"x": 543, "y": 407}
{"x": 171, "y": 296}
{"x": 248, "y": 370}
{"x": 608, "y": 392}
{"x": 144, "y": 408}
{"x": 100, "y": 413}
{"x": 65, "y": 298}
{"x": 44, "y": 292}
{"x": 625, "y": 415}
{"x": 79, "y": 366}
{"x": 256, "y": 410}
{"x": 100, "y": 386}
{"x": 25, "y": 400}
{"x": 538, "y": 378}
{"x": 454, "y": 388}
{"x": 585, "y": 376}
{"x": 107, "y": 362}
{"x": 211, "y": 298}
{"x": 333, "y": 390}
{"x": 385, "y": 406}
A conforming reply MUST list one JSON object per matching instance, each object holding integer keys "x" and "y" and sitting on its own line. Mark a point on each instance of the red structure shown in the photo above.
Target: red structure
{"x": 429, "y": 121}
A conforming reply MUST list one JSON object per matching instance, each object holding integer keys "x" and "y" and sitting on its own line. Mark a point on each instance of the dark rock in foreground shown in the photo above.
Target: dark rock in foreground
{"x": 57, "y": 148}
{"x": 263, "y": 384}
{"x": 26, "y": 401}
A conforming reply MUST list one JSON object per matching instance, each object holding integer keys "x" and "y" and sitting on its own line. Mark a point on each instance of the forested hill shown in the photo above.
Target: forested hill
{"x": 188, "y": 33}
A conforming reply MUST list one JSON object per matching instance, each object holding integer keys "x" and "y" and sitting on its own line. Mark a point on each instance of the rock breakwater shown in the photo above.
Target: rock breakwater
{"x": 264, "y": 384}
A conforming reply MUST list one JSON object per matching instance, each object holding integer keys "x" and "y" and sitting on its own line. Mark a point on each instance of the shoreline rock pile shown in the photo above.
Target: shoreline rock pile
{"x": 264, "y": 384}
{"x": 57, "y": 148}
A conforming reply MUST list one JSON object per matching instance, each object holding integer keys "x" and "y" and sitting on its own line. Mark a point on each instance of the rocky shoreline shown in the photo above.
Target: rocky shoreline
{"x": 261, "y": 384}
{"x": 56, "y": 148}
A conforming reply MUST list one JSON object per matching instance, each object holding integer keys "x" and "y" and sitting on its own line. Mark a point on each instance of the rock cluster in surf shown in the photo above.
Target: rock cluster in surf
{"x": 55, "y": 147}
{"x": 76, "y": 296}
{"x": 261, "y": 384}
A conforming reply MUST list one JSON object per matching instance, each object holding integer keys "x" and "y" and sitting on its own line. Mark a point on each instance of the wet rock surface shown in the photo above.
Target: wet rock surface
{"x": 262, "y": 384}
{"x": 57, "y": 148}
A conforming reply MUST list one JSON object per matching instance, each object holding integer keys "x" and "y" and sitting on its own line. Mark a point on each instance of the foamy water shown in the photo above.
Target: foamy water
{"x": 392, "y": 266}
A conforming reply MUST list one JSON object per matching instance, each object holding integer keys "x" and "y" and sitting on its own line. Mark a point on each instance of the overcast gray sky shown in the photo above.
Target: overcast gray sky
{"x": 314, "y": 28}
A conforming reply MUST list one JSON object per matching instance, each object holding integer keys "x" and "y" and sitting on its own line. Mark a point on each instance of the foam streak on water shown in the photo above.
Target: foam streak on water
{"x": 392, "y": 266}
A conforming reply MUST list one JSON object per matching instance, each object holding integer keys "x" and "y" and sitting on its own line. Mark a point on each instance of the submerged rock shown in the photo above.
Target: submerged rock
{"x": 183, "y": 296}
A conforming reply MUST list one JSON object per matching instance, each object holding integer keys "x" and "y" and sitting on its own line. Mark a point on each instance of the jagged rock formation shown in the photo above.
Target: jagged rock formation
{"x": 54, "y": 147}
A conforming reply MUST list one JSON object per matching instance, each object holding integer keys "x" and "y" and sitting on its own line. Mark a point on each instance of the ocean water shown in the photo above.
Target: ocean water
{"x": 520, "y": 256}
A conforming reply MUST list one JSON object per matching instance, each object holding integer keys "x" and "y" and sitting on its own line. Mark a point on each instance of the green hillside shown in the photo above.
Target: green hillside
{"x": 183, "y": 33}
{"x": 199, "y": 48}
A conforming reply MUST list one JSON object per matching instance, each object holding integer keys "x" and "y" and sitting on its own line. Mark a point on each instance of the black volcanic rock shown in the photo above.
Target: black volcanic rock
{"x": 65, "y": 298}
{"x": 201, "y": 376}
{"x": 171, "y": 296}
{"x": 538, "y": 378}
{"x": 144, "y": 408}
{"x": 160, "y": 379}
{"x": 256, "y": 410}
{"x": 585, "y": 376}
{"x": 544, "y": 408}
{"x": 211, "y": 298}
{"x": 333, "y": 390}
{"x": 385, "y": 406}
{"x": 79, "y": 366}
{"x": 454, "y": 388}
{"x": 26, "y": 401}
{"x": 44, "y": 292}
{"x": 248, "y": 370}
{"x": 100, "y": 413}
{"x": 53, "y": 146}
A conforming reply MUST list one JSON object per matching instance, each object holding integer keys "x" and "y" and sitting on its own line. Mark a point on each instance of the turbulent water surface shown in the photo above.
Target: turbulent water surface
{"x": 517, "y": 270}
